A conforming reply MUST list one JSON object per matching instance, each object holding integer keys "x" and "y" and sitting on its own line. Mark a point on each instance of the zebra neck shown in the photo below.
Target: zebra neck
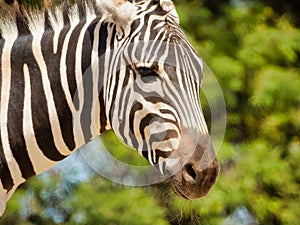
{"x": 53, "y": 91}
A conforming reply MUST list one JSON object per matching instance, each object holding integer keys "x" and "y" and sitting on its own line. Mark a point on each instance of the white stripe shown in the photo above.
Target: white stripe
{"x": 194, "y": 100}
{"x": 37, "y": 30}
{"x": 147, "y": 34}
{"x": 95, "y": 112}
{"x": 198, "y": 111}
{"x": 63, "y": 67}
{"x": 187, "y": 90}
{"x": 125, "y": 107}
{"x": 77, "y": 126}
{"x": 57, "y": 22}
{"x": 38, "y": 159}
{"x": 166, "y": 145}
{"x": 179, "y": 105}
{"x": 153, "y": 126}
{"x": 5, "y": 93}
{"x": 111, "y": 61}
{"x": 154, "y": 45}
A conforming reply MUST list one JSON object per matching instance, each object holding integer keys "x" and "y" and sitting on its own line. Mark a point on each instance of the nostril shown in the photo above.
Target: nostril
{"x": 190, "y": 171}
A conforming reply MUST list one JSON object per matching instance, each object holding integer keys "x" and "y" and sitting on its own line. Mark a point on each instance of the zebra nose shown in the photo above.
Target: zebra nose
{"x": 193, "y": 175}
{"x": 193, "y": 183}
{"x": 195, "y": 179}
{"x": 190, "y": 174}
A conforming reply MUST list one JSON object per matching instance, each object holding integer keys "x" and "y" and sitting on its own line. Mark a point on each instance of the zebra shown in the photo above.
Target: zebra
{"x": 69, "y": 73}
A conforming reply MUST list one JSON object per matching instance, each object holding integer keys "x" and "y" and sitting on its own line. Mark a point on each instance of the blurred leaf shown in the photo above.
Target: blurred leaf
{"x": 275, "y": 87}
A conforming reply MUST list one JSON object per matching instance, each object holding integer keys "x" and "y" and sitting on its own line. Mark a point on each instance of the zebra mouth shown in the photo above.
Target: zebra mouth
{"x": 187, "y": 191}
{"x": 177, "y": 191}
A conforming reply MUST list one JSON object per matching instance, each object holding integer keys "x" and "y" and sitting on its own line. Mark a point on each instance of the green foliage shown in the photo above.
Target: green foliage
{"x": 121, "y": 151}
{"x": 275, "y": 87}
{"x": 254, "y": 52}
{"x": 100, "y": 202}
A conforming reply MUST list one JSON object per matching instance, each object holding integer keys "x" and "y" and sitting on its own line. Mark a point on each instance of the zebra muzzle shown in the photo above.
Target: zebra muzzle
{"x": 195, "y": 172}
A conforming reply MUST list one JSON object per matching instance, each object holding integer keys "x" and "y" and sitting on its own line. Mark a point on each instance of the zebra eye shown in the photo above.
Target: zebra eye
{"x": 148, "y": 75}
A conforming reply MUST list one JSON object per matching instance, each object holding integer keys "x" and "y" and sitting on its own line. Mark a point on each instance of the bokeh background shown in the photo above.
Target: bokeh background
{"x": 253, "y": 48}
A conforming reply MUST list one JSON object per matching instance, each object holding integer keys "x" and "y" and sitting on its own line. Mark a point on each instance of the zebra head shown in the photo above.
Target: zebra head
{"x": 156, "y": 107}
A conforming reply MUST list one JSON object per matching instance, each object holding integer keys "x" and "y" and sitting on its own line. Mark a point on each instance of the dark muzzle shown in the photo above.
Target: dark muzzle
{"x": 196, "y": 175}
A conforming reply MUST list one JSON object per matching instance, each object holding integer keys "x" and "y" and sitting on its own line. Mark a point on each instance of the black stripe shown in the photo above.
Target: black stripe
{"x": 113, "y": 36}
{"x": 124, "y": 101}
{"x": 166, "y": 111}
{"x": 135, "y": 24}
{"x": 53, "y": 68}
{"x": 126, "y": 78}
{"x": 144, "y": 28}
{"x": 103, "y": 34}
{"x": 71, "y": 63}
{"x": 159, "y": 137}
{"x": 22, "y": 25}
{"x": 115, "y": 89}
{"x": 146, "y": 122}
{"x": 135, "y": 107}
{"x": 40, "y": 117}
{"x": 155, "y": 100}
{"x": 81, "y": 10}
{"x": 41, "y": 122}
{"x": 157, "y": 40}
{"x": 114, "y": 64}
{"x": 163, "y": 154}
{"x": 66, "y": 13}
{"x": 91, "y": 30}
{"x": 145, "y": 152}
{"x": 159, "y": 153}
{"x": 5, "y": 175}
{"x": 163, "y": 136}
{"x": 138, "y": 52}
{"x": 155, "y": 31}
{"x": 16, "y": 104}
{"x": 151, "y": 117}
{"x": 185, "y": 83}
{"x": 48, "y": 25}
{"x": 151, "y": 155}
{"x": 87, "y": 48}
{"x": 88, "y": 87}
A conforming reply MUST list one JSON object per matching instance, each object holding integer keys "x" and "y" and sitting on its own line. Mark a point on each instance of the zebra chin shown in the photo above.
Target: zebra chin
{"x": 194, "y": 176}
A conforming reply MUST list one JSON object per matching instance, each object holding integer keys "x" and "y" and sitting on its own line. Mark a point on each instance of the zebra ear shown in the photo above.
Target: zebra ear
{"x": 48, "y": 4}
{"x": 167, "y": 5}
{"x": 120, "y": 12}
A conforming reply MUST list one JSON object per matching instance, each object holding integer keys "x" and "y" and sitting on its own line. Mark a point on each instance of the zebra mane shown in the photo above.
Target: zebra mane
{"x": 20, "y": 19}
